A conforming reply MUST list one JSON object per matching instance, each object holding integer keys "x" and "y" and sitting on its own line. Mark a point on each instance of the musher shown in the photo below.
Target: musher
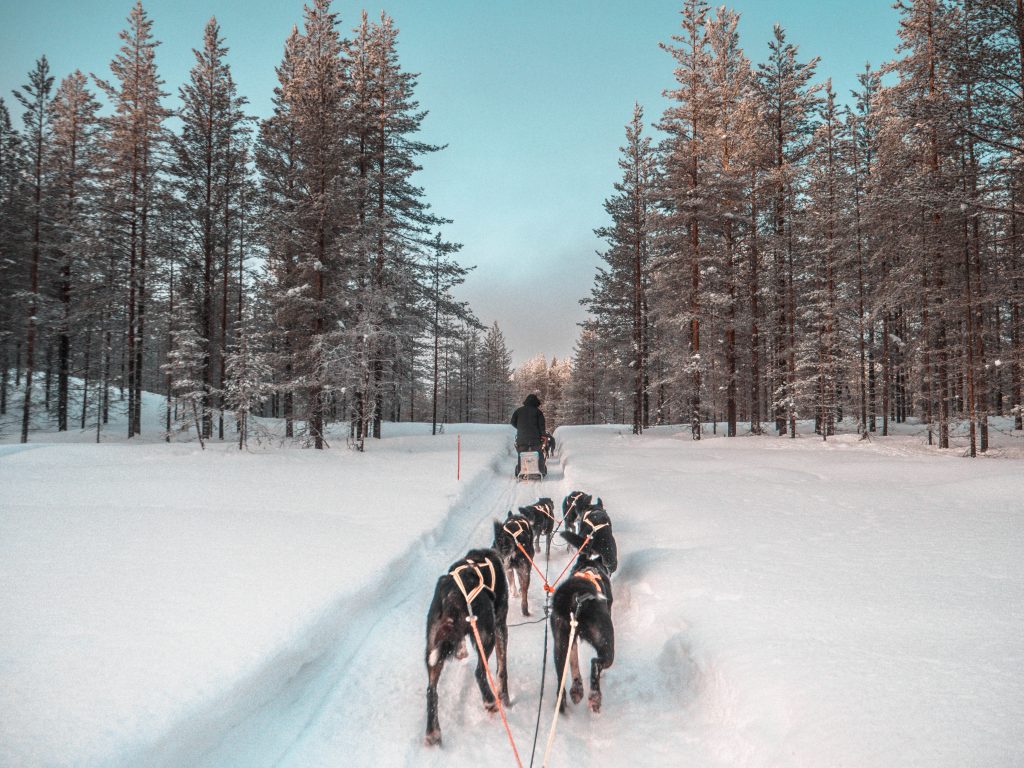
{"x": 528, "y": 420}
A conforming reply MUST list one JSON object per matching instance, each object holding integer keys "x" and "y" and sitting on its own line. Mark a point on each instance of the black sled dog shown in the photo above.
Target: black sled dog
{"x": 573, "y": 507}
{"x": 542, "y": 517}
{"x": 480, "y": 578}
{"x": 587, "y": 593}
{"x": 595, "y": 524}
{"x": 548, "y": 445}
{"x": 516, "y": 528}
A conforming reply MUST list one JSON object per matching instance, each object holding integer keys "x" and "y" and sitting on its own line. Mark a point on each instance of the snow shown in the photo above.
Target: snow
{"x": 778, "y": 602}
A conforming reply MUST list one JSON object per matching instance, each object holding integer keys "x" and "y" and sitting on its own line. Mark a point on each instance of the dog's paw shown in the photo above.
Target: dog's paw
{"x": 460, "y": 651}
{"x": 432, "y": 739}
{"x": 491, "y": 706}
{"x": 576, "y": 692}
{"x": 595, "y": 701}
{"x": 526, "y": 612}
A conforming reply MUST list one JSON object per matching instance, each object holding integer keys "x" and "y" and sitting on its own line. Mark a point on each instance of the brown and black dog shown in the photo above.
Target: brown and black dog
{"x": 542, "y": 518}
{"x": 516, "y": 528}
{"x": 573, "y": 507}
{"x": 477, "y": 580}
{"x": 588, "y": 594}
{"x": 595, "y": 524}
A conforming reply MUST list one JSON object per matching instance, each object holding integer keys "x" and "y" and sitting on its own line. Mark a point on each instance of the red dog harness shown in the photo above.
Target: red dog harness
{"x": 593, "y": 577}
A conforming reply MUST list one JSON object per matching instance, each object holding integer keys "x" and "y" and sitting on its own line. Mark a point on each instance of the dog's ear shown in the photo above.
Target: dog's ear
{"x": 509, "y": 515}
{"x": 497, "y": 530}
{"x": 598, "y": 504}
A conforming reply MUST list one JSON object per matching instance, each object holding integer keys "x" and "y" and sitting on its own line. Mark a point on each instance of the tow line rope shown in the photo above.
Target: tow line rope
{"x": 575, "y": 498}
{"x": 561, "y": 687}
{"x": 494, "y": 688}
{"x": 543, "y": 664}
{"x": 549, "y": 587}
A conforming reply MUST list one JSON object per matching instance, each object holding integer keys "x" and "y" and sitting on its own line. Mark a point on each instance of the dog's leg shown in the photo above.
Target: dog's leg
{"x": 560, "y": 634}
{"x": 510, "y": 578}
{"x": 433, "y": 737}
{"x": 524, "y": 583}
{"x": 501, "y": 651}
{"x": 605, "y": 656}
{"x": 487, "y": 640}
{"x": 577, "y": 679}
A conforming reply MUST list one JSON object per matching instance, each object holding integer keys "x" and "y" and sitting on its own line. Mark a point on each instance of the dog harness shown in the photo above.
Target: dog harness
{"x": 543, "y": 508}
{"x": 592, "y": 577}
{"x": 474, "y": 567}
{"x": 575, "y": 498}
{"x": 593, "y": 528}
{"x": 522, "y": 525}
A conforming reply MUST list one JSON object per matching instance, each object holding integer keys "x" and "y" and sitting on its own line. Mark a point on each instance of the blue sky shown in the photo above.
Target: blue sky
{"x": 531, "y": 97}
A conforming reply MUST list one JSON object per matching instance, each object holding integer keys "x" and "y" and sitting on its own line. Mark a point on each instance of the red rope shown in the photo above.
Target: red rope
{"x": 538, "y": 570}
{"x": 569, "y": 564}
{"x": 494, "y": 688}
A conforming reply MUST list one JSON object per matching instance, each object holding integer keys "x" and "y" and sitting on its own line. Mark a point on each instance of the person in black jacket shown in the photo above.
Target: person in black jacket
{"x": 528, "y": 420}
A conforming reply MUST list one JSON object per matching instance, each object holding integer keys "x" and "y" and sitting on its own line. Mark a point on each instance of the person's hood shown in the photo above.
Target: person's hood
{"x": 532, "y": 400}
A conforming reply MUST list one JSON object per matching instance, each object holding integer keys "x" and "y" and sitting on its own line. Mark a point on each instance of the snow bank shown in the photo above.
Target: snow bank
{"x": 792, "y": 603}
{"x": 155, "y": 596}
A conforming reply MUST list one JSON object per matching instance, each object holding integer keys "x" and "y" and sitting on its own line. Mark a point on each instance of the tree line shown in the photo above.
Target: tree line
{"x": 285, "y": 267}
{"x": 778, "y": 254}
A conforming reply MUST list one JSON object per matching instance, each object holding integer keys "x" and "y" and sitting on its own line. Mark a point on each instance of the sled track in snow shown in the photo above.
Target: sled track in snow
{"x": 283, "y": 715}
{"x": 329, "y": 737}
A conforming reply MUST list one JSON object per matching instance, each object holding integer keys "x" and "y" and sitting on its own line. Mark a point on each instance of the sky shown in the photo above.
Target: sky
{"x": 531, "y": 98}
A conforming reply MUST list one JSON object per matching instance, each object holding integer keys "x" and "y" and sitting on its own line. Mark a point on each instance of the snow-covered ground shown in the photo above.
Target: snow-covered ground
{"x": 778, "y": 603}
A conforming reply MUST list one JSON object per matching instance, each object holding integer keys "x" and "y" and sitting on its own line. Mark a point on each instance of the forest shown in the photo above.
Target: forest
{"x": 286, "y": 267}
{"x": 775, "y": 252}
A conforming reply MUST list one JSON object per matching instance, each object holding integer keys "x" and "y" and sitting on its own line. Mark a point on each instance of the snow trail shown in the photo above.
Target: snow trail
{"x": 777, "y": 603}
{"x": 374, "y": 710}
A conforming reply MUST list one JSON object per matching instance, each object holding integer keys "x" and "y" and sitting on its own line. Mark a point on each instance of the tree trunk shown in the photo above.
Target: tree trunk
{"x": 755, "y": 341}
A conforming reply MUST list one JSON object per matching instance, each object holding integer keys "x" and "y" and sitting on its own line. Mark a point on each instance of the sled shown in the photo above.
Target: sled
{"x": 529, "y": 466}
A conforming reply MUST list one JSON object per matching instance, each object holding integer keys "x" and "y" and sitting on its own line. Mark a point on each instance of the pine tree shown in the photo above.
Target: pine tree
{"x": 35, "y": 98}
{"x": 315, "y": 95}
{"x": 277, "y": 159}
{"x": 11, "y": 246}
{"x": 734, "y": 149}
{"x": 74, "y": 157}
{"x": 134, "y": 142}
{"x": 819, "y": 357}
{"x": 789, "y": 103}
{"x": 496, "y": 376}
{"x": 209, "y": 158}
{"x": 396, "y": 229}
{"x": 619, "y": 300}
{"x": 184, "y": 366}
{"x": 684, "y": 196}
{"x": 249, "y": 374}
